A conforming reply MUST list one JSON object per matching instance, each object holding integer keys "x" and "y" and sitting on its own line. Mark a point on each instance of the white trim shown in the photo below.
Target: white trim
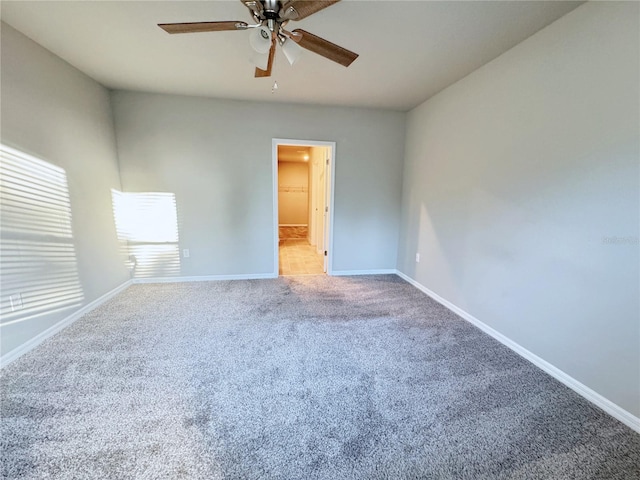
{"x": 205, "y": 278}
{"x": 594, "y": 397}
{"x": 274, "y": 181}
{"x": 293, "y": 225}
{"x": 384, "y": 271}
{"x": 332, "y": 209}
{"x": 274, "y": 156}
{"x": 32, "y": 343}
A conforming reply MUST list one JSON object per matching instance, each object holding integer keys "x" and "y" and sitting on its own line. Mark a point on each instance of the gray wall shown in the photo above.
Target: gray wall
{"x": 215, "y": 156}
{"x": 56, "y": 113}
{"x": 293, "y": 193}
{"x": 515, "y": 180}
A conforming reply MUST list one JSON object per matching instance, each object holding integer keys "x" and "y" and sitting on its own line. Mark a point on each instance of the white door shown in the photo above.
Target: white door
{"x": 321, "y": 205}
{"x": 327, "y": 208}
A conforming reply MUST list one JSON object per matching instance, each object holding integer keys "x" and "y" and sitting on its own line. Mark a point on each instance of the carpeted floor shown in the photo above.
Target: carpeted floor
{"x": 294, "y": 378}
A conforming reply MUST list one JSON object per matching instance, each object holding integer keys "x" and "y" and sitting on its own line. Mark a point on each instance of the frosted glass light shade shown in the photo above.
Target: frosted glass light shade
{"x": 260, "y": 39}
{"x": 260, "y": 60}
{"x": 291, "y": 50}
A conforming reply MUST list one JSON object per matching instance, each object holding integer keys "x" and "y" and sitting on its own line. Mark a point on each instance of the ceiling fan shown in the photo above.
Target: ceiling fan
{"x": 271, "y": 16}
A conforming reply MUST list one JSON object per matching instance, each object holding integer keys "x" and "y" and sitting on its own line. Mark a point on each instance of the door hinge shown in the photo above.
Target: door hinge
{"x": 327, "y": 161}
{"x": 325, "y": 253}
{"x": 326, "y": 209}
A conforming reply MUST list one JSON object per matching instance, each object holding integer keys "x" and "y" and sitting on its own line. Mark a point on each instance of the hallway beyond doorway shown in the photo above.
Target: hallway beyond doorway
{"x": 297, "y": 257}
{"x": 306, "y": 201}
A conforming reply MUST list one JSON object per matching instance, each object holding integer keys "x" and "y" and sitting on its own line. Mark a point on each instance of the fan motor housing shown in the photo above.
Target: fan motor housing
{"x": 271, "y": 8}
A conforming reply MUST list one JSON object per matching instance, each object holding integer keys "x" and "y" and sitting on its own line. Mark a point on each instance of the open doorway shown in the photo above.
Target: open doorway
{"x": 303, "y": 206}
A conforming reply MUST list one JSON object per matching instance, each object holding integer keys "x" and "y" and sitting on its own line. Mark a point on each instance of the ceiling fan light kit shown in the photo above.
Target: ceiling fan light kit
{"x": 271, "y": 16}
{"x": 291, "y": 50}
{"x": 260, "y": 39}
{"x": 259, "y": 60}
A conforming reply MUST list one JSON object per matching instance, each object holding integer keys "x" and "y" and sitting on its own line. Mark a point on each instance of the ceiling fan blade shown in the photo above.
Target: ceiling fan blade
{"x": 272, "y": 52}
{"x": 299, "y": 9}
{"x": 323, "y": 47}
{"x": 193, "y": 27}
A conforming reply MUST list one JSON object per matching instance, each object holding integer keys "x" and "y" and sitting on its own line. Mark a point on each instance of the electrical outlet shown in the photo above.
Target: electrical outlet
{"x": 16, "y": 302}
{"x": 417, "y": 258}
{"x": 185, "y": 253}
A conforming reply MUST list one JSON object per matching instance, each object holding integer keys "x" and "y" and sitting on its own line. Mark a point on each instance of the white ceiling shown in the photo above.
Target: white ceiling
{"x": 409, "y": 50}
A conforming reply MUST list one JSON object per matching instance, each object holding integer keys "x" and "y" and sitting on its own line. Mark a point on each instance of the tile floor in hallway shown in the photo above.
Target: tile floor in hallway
{"x": 297, "y": 257}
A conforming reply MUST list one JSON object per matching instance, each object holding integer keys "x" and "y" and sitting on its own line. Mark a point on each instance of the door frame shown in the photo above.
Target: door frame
{"x": 275, "y": 142}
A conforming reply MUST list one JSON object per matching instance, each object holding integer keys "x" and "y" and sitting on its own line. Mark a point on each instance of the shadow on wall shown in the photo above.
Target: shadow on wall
{"x": 38, "y": 262}
{"x": 147, "y": 227}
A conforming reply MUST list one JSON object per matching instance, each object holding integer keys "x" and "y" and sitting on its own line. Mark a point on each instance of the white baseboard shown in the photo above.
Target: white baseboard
{"x": 594, "y": 397}
{"x": 343, "y": 273}
{"x": 206, "y": 278}
{"x": 292, "y": 225}
{"x": 29, "y": 345}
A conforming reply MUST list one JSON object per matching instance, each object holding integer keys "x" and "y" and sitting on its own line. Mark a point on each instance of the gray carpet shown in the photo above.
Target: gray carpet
{"x": 296, "y": 378}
